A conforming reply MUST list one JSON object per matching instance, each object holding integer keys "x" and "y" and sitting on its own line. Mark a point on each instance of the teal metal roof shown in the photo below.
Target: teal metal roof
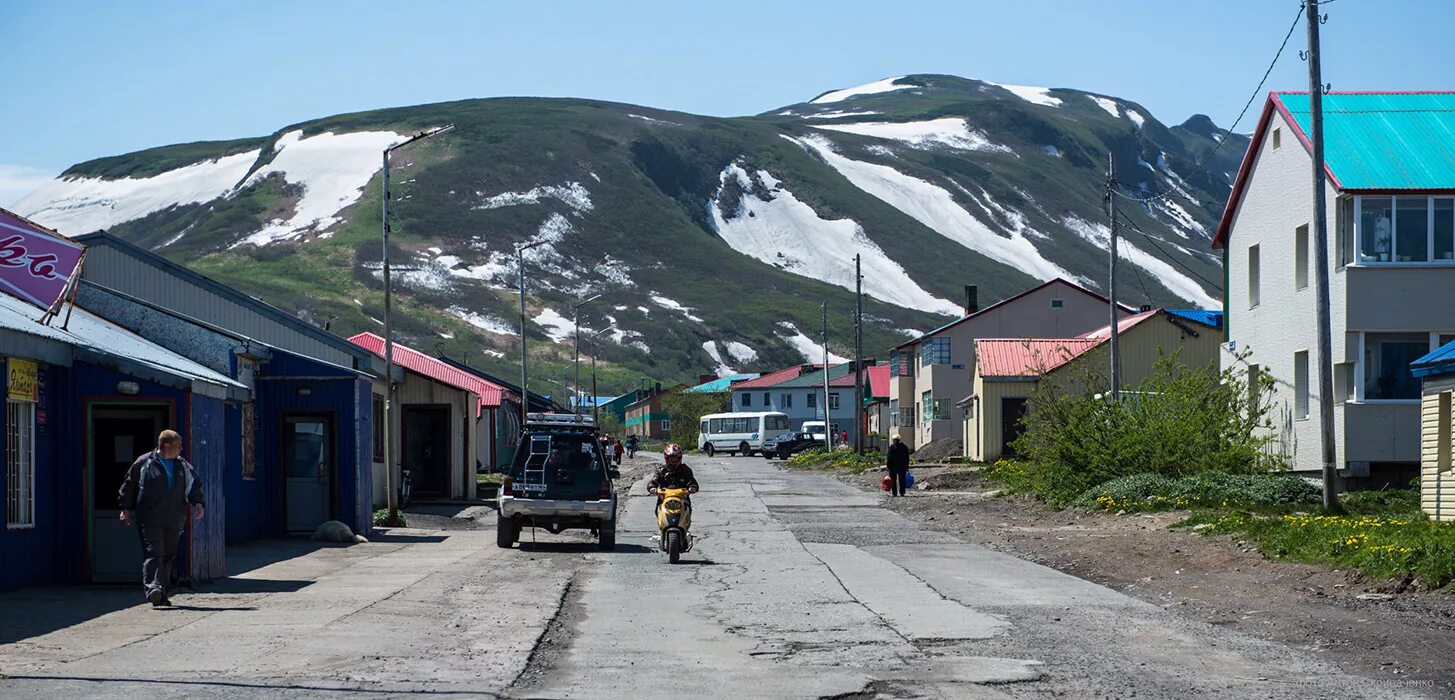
{"x": 1384, "y": 141}
{"x": 839, "y": 375}
{"x": 722, "y": 383}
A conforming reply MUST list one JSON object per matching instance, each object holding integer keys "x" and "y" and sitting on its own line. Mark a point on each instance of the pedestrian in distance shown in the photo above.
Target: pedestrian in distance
{"x": 160, "y": 490}
{"x": 616, "y": 450}
{"x": 898, "y": 461}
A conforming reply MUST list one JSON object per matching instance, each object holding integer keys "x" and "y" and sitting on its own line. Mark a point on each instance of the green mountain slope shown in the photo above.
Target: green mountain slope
{"x": 712, "y": 241}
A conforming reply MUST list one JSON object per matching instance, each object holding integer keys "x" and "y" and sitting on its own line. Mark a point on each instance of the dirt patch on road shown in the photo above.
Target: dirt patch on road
{"x": 1407, "y": 639}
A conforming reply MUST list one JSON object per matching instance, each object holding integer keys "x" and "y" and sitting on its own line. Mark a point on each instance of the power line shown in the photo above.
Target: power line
{"x": 1168, "y": 256}
{"x": 1202, "y": 165}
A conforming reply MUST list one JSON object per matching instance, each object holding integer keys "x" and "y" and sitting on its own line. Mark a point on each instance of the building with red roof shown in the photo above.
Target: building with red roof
{"x": 1008, "y": 370}
{"x": 445, "y": 422}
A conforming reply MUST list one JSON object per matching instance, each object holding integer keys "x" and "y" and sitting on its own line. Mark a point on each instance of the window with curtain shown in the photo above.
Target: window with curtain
{"x": 1376, "y": 229}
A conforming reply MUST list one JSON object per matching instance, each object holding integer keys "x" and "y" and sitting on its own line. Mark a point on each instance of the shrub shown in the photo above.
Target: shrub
{"x": 687, "y": 409}
{"x": 382, "y": 519}
{"x": 1179, "y": 422}
{"x": 838, "y": 459}
{"x": 1154, "y": 492}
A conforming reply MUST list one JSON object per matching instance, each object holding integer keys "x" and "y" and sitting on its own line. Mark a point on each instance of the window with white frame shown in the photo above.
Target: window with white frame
{"x": 1344, "y": 230}
{"x": 894, "y": 413}
{"x": 941, "y": 409}
{"x": 1300, "y": 384}
{"x": 834, "y": 401}
{"x": 1387, "y": 358}
{"x": 787, "y": 401}
{"x": 666, "y": 424}
{"x": 927, "y": 405}
{"x": 19, "y": 464}
{"x": 1405, "y": 229}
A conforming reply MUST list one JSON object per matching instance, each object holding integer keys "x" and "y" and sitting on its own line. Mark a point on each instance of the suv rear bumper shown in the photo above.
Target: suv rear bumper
{"x": 510, "y": 506}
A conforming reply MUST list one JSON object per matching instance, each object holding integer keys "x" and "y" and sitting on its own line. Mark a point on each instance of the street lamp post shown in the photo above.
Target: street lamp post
{"x": 520, "y": 265}
{"x": 576, "y": 319}
{"x": 595, "y": 408}
{"x": 388, "y": 325}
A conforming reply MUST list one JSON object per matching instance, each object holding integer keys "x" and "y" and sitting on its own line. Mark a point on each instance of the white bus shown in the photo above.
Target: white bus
{"x": 739, "y": 433}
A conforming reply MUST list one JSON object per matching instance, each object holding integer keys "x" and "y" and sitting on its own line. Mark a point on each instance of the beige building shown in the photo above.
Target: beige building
{"x": 1437, "y": 480}
{"x": 928, "y": 374}
{"x": 1008, "y": 371}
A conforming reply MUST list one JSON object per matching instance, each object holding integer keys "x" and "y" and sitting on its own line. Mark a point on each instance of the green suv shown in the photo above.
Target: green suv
{"x": 559, "y": 480}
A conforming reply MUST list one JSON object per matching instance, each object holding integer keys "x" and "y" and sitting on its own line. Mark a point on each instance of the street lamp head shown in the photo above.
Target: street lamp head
{"x": 522, "y": 248}
{"x": 588, "y": 300}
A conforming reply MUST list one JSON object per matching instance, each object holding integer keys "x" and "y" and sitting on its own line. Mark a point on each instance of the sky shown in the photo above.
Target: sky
{"x": 85, "y": 79}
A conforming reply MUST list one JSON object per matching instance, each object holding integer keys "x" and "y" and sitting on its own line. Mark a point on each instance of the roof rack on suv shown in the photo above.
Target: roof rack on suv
{"x": 559, "y": 419}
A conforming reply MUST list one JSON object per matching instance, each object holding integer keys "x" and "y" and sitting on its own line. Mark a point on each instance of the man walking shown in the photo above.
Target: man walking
{"x": 160, "y": 490}
{"x": 898, "y": 460}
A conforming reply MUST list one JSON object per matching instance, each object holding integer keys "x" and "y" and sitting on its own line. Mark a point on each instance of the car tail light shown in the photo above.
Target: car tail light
{"x": 505, "y": 486}
{"x": 605, "y": 490}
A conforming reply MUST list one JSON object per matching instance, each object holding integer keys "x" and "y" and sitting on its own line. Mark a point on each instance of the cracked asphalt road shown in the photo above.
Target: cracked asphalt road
{"x": 799, "y": 586}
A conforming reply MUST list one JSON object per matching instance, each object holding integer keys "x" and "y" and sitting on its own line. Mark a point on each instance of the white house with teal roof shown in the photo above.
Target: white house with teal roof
{"x": 1390, "y": 161}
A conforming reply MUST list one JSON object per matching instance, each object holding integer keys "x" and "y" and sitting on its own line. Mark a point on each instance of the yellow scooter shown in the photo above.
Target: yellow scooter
{"x": 674, "y": 517}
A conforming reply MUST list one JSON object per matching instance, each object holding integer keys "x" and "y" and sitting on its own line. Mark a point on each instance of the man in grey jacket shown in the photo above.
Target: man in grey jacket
{"x": 161, "y": 489}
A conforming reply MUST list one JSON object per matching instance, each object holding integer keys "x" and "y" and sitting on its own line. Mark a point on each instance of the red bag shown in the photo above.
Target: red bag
{"x": 886, "y": 483}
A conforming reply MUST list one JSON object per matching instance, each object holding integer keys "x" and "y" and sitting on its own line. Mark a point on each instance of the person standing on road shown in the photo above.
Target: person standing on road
{"x": 616, "y": 450}
{"x": 898, "y": 461}
{"x": 159, "y": 492}
{"x": 631, "y": 446}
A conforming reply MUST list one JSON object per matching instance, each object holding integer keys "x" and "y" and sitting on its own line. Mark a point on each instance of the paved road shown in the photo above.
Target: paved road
{"x": 799, "y": 586}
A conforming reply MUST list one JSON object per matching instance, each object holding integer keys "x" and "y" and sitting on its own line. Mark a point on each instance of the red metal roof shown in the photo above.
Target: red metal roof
{"x": 878, "y": 380}
{"x": 774, "y": 378}
{"x": 416, "y": 361}
{"x": 1032, "y": 357}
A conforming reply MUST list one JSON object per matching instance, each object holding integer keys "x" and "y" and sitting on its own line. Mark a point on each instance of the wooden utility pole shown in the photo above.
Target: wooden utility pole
{"x": 828, "y": 421}
{"x": 1111, "y": 285}
{"x": 1321, "y": 256}
{"x": 858, "y": 356}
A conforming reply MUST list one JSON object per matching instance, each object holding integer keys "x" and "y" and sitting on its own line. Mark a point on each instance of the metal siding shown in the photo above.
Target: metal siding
{"x": 1385, "y": 141}
{"x": 207, "y": 555}
{"x": 1437, "y": 487}
{"x": 51, "y": 551}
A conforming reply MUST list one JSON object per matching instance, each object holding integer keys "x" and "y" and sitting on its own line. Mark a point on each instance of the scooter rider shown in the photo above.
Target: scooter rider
{"x": 672, "y": 475}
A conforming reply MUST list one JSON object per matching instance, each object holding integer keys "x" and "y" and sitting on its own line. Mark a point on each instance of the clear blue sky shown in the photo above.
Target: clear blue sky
{"x": 85, "y": 79}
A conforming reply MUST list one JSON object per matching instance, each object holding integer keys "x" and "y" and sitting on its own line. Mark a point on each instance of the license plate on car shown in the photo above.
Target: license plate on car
{"x": 534, "y": 488}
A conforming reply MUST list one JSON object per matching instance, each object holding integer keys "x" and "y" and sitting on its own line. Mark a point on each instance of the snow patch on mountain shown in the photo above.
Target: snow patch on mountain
{"x": 1034, "y": 95}
{"x": 1136, "y": 117}
{"x": 558, "y": 327}
{"x": 332, "y": 169}
{"x": 740, "y": 352}
{"x": 878, "y": 86}
{"x": 812, "y": 352}
{"x": 719, "y": 367}
{"x": 947, "y": 132}
{"x": 839, "y": 115}
{"x": 1110, "y": 106}
{"x": 666, "y": 303}
{"x": 1185, "y": 222}
{"x": 76, "y": 205}
{"x": 572, "y": 194}
{"x": 489, "y": 324}
{"x": 935, "y": 207}
{"x": 1170, "y": 277}
{"x": 787, "y": 233}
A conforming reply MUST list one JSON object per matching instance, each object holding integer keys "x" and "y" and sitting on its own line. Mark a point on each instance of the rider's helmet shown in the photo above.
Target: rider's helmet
{"x": 673, "y": 454}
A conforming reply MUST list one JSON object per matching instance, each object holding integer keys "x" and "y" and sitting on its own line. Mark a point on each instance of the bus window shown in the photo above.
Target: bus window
{"x": 773, "y": 423}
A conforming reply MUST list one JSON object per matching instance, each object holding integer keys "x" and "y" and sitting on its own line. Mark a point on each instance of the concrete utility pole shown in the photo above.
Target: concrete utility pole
{"x": 389, "y": 328}
{"x": 858, "y": 356}
{"x": 1321, "y": 255}
{"x": 520, "y": 265}
{"x": 576, "y": 319}
{"x": 1111, "y": 210}
{"x": 828, "y": 422}
{"x": 595, "y": 405}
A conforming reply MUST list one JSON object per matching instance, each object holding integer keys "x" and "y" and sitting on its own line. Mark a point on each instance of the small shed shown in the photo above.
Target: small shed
{"x": 1437, "y": 482}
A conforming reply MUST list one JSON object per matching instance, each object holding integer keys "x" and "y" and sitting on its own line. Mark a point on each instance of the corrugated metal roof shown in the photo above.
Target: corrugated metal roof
{"x": 1104, "y": 333}
{"x": 1027, "y": 357}
{"x": 839, "y": 375}
{"x": 1212, "y": 319}
{"x": 1441, "y": 361}
{"x": 878, "y": 381}
{"x": 722, "y": 383}
{"x": 774, "y": 378}
{"x": 1384, "y": 140}
{"x": 95, "y": 334}
{"x": 409, "y": 358}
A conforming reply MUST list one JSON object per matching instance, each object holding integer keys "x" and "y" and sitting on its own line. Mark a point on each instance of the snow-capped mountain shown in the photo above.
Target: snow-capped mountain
{"x": 712, "y": 240}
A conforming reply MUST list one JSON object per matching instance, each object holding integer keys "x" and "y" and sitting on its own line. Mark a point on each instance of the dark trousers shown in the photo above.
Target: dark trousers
{"x": 159, "y": 553}
{"x": 896, "y": 481}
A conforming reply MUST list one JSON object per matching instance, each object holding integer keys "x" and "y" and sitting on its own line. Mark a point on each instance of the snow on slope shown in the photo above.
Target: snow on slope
{"x": 573, "y": 194}
{"x": 812, "y": 352}
{"x": 934, "y": 207}
{"x": 332, "y": 169}
{"x": 788, "y": 233}
{"x": 77, "y": 205}
{"x": 558, "y": 327}
{"x": 878, "y": 86}
{"x": 839, "y": 115}
{"x": 1034, "y": 95}
{"x": 720, "y": 367}
{"x": 1170, "y": 277}
{"x": 951, "y": 132}
{"x": 741, "y": 352}
{"x": 1110, "y": 106}
{"x": 489, "y": 324}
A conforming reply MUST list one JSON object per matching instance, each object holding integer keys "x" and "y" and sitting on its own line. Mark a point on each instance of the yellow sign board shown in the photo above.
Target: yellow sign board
{"x": 22, "y": 383}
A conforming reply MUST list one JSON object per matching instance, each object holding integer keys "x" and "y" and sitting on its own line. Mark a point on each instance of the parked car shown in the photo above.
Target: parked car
{"x": 560, "y": 480}
{"x": 787, "y": 444}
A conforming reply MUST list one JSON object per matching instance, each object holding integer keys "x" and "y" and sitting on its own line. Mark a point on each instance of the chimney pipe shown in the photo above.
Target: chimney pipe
{"x": 972, "y": 299}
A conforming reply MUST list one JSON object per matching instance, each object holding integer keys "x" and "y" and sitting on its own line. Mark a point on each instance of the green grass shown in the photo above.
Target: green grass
{"x": 1155, "y": 492}
{"x": 837, "y": 460}
{"x": 1381, "y": 546}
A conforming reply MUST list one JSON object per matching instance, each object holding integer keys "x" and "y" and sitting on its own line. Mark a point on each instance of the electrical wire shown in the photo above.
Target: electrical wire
{"x": 1206, "y": 160}
{"x": 1168, "y": 256}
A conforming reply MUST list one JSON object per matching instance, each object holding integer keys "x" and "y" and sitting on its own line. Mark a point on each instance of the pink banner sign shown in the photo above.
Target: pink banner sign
{"x": 35, "y": 264}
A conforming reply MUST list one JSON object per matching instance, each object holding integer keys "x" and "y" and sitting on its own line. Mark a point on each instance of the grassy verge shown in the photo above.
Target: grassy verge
{"x": 838, "y": 460}
{"x": 1155, "y": 492}
{"x": 487, "y": 484}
